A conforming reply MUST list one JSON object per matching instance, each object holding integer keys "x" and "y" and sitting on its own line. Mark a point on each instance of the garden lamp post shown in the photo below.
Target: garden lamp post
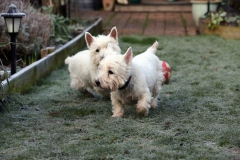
{"x": 13, "y": 21}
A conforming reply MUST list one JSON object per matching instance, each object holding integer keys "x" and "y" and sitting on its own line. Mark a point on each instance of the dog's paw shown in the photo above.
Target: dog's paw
{"x": 142, "y": 111}
{"x": 117, "y": 115}
{"x": 153, "y": 103}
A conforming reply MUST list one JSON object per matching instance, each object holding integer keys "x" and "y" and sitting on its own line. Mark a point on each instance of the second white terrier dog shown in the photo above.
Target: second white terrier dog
{"x": 130, "y": 80}
{"x": 83, "y": 65}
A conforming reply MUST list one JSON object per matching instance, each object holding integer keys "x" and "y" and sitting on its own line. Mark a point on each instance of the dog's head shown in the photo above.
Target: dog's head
{"x": 98, "y": 45}
{"x": 114, "y": 71}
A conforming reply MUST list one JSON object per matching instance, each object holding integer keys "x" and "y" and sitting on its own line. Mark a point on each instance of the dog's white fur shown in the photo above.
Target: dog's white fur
{"x": 144, "y": 85}
{"x": 83, "y": 65}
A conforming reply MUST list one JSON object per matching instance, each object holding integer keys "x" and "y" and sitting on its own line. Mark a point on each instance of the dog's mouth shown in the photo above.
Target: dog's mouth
{"x": 114, "y": 85}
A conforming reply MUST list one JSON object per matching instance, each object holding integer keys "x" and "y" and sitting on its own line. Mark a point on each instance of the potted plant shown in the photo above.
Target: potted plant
{"x": 226, "y": 25}
{"x": 200, "y": 7}
{"x": 225, "y": 22}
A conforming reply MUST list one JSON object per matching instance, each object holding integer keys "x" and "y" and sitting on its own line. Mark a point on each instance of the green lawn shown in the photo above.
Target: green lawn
{"x": 198, "y": 116}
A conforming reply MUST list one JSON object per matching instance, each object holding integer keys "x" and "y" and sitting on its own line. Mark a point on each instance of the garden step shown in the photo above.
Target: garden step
{"x": 157, "y": 1}
{"x": 178, "y": 6}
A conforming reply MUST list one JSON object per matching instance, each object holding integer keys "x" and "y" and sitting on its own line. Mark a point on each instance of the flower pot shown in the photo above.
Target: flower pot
{"x": 108, "y": 5}
{"x": 199, "y": 8}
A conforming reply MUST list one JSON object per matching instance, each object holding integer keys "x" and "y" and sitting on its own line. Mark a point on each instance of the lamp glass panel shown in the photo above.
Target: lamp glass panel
{"x": 13, "y": 24}
{"x": 9, "y": 24}
{"x": 17, "y": 22}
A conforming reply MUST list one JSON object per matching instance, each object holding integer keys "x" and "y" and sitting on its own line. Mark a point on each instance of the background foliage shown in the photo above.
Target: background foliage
{"x": 35, "y": 32}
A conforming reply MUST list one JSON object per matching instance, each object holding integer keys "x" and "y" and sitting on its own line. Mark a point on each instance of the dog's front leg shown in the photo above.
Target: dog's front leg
{"x": 117, "y": 109}
{"x": 143, "y": 104}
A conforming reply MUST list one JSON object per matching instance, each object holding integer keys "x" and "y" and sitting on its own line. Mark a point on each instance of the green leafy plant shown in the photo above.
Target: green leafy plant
{"x": 216, "y": 19}
{"x": 61, "y": 30}
{"x": 234, "y": 20}
{"x": 223, "y": 18}
{"x": 62, "y": 26}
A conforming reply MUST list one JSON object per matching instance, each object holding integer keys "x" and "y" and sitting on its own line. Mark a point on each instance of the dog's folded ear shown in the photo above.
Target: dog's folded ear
{"x": 128, "y": 56}
{"x": 89, "y": 39}
{"x": 113, "y": 33}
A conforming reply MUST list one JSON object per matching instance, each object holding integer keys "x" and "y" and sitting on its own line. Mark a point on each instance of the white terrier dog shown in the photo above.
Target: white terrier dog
{"x": 130, "y": 80}
{"x": 83, "y": 65}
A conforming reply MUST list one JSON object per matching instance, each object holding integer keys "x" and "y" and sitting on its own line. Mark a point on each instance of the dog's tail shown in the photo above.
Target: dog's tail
{"x": 67, "y": 60}
{"x": 153, "y": 48}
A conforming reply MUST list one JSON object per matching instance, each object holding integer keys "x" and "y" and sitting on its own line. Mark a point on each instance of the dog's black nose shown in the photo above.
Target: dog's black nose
{"x": 97, "y": 82}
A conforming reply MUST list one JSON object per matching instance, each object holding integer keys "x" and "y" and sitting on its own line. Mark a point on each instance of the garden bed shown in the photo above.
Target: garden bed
{"x": 26, "y": 77}
{"x": 228, "y": 32}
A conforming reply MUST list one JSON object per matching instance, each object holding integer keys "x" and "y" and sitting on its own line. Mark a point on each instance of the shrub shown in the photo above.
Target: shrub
{"x": 35, "y": 30}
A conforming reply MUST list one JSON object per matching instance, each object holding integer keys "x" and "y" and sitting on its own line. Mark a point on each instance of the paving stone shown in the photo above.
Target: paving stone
{"x": 158, "y": 23}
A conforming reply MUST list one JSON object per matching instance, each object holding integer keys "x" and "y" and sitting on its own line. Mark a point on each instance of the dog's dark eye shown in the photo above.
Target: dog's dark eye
{"x": 97, "y": 50}
{"x": 110, "y": 72}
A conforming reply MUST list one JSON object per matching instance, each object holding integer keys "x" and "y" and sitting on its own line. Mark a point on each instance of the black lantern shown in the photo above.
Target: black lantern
{"x": 13, "y": 21}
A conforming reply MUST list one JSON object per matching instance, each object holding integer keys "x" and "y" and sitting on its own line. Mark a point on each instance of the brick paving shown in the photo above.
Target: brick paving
{"x": 144, "y": 23}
